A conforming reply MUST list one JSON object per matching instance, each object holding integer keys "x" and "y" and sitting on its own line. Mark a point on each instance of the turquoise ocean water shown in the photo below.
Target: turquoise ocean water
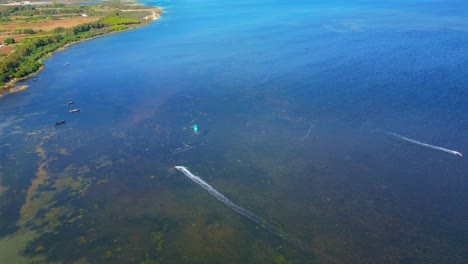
{"x": 293, "y": 100}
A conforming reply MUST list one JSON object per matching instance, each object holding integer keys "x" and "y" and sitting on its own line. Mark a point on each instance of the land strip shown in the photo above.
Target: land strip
{"x": 29, "y": 33}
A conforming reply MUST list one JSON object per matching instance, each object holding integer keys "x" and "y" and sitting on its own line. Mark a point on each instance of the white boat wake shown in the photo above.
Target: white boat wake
{"x": 220, "y": 197}
{"x": 453, "y": 152}
{"x": 238, "y": 209}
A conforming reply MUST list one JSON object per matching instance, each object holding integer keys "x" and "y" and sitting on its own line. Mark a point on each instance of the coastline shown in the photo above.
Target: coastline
{"x": 11, "y": 86}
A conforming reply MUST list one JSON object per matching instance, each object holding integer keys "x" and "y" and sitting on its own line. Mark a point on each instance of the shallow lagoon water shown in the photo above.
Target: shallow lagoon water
{"x": 292, "y": 101}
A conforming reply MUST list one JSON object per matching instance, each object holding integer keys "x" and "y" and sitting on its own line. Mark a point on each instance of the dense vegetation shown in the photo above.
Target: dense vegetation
{"x": 54, "y": 9}
{"x": 9, "y": 41}
{"x": 26, "y": 59}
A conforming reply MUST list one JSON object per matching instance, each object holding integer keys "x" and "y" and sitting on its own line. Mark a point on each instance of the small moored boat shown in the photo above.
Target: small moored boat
{"x": 60, "y": 122}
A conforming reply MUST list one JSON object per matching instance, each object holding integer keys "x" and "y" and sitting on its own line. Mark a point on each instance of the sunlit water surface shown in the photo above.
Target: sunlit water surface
{"x": 292, "y": 99}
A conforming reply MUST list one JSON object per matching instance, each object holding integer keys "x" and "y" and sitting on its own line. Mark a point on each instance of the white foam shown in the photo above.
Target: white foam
{"x": 453, "y": 152}
{"x": 220, "y": 197}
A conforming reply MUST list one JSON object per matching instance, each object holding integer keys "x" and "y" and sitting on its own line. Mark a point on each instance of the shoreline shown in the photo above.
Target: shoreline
{"x": 11, "y": 86}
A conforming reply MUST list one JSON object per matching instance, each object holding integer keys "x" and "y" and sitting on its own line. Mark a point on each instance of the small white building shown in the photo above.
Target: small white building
{"x": 84, "y": 15}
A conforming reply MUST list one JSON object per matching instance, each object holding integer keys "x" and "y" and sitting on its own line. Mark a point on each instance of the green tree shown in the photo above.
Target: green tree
{"x": 9, "y": 41}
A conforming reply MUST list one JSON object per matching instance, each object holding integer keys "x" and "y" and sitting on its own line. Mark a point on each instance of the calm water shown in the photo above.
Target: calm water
{"x": 293, "y": 101}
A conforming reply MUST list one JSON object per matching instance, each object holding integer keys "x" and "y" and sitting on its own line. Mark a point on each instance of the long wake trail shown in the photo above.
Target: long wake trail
{"x": 238, "y": 209}
{"x": 220, "y": 197}
{"x": 453, "y": 152}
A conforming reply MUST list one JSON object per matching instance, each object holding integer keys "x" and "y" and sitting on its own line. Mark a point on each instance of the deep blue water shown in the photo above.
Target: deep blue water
{"x": 293, "y": 100}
